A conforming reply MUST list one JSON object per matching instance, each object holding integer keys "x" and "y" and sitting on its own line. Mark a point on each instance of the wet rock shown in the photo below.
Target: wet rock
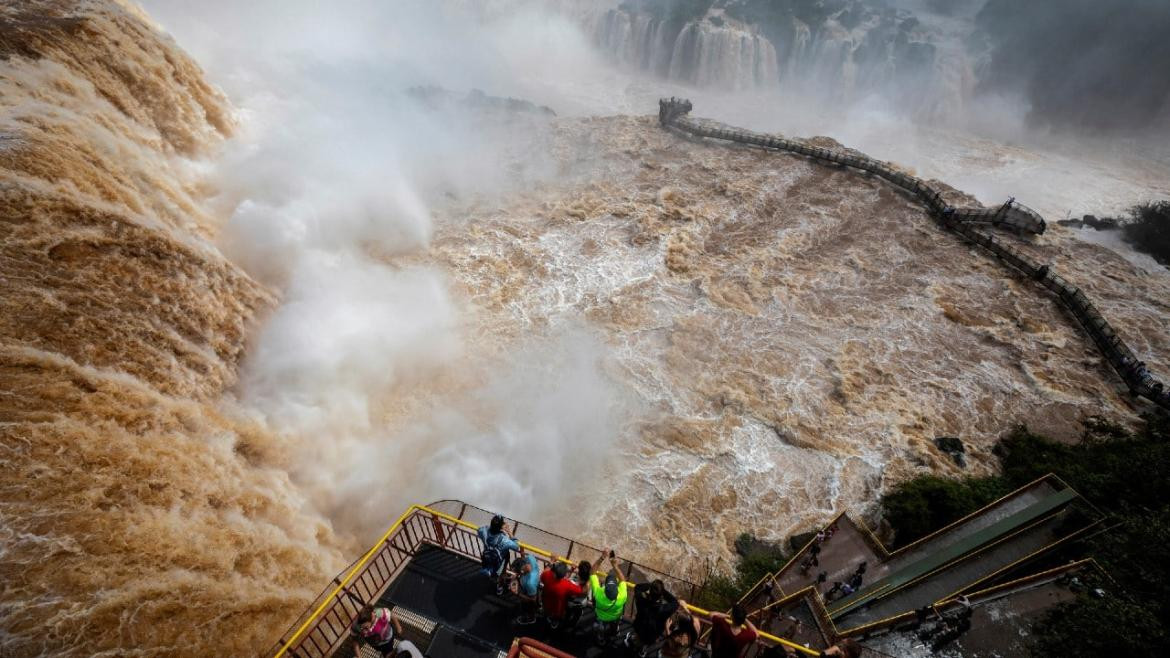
{"x": 796, "y": 542}
{"x": 1103, "y": 224}
{"x": 953, "y": 447}
{"x": 747, "y": 545}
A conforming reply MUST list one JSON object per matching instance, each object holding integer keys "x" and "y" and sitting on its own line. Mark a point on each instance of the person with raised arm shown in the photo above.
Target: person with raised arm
{"x": 731, "y": 635}
{"x": 609, "y": 600}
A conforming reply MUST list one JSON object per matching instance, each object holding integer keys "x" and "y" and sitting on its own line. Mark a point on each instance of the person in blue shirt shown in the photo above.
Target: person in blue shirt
{"x": 527, "y": 571}
{"x": 497, "y": 551}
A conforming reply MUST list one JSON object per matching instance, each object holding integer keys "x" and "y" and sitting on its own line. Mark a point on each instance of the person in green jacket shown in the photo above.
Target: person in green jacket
{"x": 609, "y": 599}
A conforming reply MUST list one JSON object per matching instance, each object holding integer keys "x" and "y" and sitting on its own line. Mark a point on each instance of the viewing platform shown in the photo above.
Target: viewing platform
{"x": 427, "y": 569}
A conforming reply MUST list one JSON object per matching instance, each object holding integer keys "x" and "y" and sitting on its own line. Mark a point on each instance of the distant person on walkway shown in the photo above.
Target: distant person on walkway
{"x": 527, "y": 587}
{"x": 682, "y": 634}
{"x": 557, "y": 590}
{"x": 375, "y": 628}
{"x": 653, "y": 607}
{"x": 609, "y": 599}
{"x": 731, "y": 635}
{"x": 834, "y": 591}
{"x": 855, "y": 581}
{"x": 497, "y": 548}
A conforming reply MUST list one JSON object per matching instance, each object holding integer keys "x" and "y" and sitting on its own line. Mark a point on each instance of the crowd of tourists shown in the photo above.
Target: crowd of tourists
{"x": 592, "y": 598}
{"x": 589, "y": 601}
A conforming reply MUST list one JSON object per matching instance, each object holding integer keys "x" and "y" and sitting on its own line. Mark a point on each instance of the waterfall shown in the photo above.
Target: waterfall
{"x": 846, "y": 57}
{"x": 699, "y": 53}
{"x": 638, "y": 40}
{"x": 727, "y": 57}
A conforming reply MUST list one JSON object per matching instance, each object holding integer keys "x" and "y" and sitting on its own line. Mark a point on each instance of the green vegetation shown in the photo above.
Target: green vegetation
{"x": 1125, "y": 474}
{"x": 1148, "y": 229}
{"x": 925, "y": 504}
{"x": 757, "y": 559}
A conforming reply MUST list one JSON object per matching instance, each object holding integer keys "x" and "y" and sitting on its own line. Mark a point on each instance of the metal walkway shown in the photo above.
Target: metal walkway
{"x": 672, "y": 113}
{"x": 976, "y": 551}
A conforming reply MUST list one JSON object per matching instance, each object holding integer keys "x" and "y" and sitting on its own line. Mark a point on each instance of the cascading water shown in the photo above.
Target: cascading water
{"x": 846, "y": 56}
{"x": 723, "y": 57}
{"x": 665, "y": 343}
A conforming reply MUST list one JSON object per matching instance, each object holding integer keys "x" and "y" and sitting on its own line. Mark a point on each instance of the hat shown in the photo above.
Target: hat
{"x": 611, "y": 587}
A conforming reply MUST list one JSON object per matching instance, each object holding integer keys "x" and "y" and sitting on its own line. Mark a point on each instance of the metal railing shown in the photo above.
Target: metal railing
{"x": 326, "y": 623}
{"x": 819, "y": 607}
{"x": 673, "y": 112}
{"x": 570, "y": 549}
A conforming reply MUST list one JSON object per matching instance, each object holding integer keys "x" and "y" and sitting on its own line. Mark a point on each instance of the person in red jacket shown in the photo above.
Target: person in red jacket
{"x": 557, "y": 590}
{"x": 731, "y": 636}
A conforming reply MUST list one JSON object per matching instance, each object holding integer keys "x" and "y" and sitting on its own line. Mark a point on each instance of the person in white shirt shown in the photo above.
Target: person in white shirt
{"x": 406, "y": 649}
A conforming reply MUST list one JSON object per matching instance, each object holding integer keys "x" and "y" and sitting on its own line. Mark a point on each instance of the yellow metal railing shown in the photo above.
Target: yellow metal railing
{"x": 420, "y": 533}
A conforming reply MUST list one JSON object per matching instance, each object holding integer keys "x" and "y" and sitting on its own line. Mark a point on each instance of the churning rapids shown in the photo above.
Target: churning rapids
{"x": 641, "y": 339}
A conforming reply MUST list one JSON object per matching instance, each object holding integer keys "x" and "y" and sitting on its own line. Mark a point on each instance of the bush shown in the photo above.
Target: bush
{"x": 919, "y": 507}
{"x": 757, "y": 559}
{"x": 1148, "y": 230}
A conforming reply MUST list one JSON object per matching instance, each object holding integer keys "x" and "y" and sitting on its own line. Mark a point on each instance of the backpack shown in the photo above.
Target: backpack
{"x": 491, "y": 558}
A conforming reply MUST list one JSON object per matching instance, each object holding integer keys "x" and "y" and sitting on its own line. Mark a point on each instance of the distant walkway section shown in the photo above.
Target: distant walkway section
{"x": 673, "y": 113}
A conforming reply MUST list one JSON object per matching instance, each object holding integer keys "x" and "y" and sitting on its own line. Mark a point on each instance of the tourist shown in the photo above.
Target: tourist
{"x": 791, "y": 630}
{"x": 834, "y": 590}
{"x": 375, "y": 628}
{"x": 731, "y": 635}
{"x": 653, "y": 608}
{"x": 682, "y": 634}
{"x": 609, "y": 600}
{"x": 497, "y": 548}
{"x": 846, "y": 648}
{"x": 527, "y": 587}
{"x": 406, "y": 649}
{"x": 811, "y": 561}
{"x": 557, "y": 590}
{"x": 578, "y": 604}
{"x": 855, "y": 581}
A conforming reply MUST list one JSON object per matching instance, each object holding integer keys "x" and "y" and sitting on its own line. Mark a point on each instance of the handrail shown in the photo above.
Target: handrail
{"x": 672, "y": 113}
{"x": 767, "y": 636}
{"x": 345, "y": 581}
{"x": 573, "y": 543}
{"x": 820, "y": 607}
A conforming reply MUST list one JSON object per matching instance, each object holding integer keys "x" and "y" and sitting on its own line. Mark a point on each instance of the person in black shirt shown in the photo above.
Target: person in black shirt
{"x": 653, "y": 607}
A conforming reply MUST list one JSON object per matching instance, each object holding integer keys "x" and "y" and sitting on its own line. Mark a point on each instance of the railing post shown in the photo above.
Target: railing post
{"x": 440, "y": 534}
